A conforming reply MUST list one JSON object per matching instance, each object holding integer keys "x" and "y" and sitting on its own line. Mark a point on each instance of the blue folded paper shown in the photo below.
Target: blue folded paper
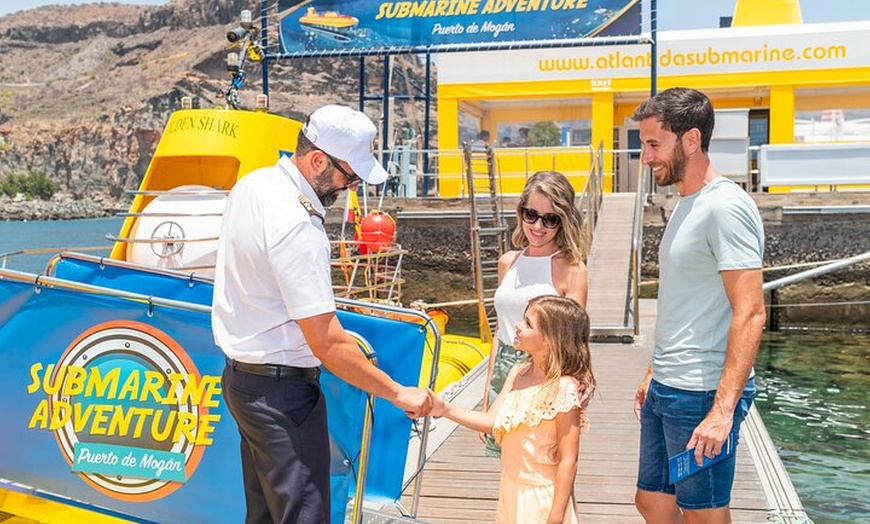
{"x": 683, "y": 464}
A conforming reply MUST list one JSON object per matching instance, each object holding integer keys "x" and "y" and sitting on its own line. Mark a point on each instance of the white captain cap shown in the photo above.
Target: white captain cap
{"x": 346, "y": 134}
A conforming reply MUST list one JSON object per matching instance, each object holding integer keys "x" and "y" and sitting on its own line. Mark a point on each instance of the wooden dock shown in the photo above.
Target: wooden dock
{"x": 460, "y": 484}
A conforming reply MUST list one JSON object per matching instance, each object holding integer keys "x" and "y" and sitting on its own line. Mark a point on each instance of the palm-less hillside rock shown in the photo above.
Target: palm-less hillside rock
{"x": 86, "y": 90}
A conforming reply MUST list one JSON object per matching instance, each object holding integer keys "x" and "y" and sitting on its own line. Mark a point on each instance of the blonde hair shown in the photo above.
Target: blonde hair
{"x": 564, "y": 326}
{"x": 571, "y": 235}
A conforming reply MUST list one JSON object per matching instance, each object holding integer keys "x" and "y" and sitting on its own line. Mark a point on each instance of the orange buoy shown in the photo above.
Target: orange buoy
{"x": 377, "y": 231}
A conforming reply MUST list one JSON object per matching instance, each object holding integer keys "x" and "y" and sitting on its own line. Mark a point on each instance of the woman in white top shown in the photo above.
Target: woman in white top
{"x": 551, "y": 260}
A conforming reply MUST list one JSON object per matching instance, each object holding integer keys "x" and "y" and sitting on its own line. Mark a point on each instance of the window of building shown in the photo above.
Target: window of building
{"x": 832, "y": 125}
{"x": 545, "y": 133}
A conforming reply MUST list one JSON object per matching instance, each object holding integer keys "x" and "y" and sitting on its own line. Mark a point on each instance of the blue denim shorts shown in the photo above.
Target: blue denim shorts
{"x": 667, "y": 419}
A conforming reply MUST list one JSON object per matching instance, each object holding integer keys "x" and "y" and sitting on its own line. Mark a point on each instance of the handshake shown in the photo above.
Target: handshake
{"x": 418, "y": 402}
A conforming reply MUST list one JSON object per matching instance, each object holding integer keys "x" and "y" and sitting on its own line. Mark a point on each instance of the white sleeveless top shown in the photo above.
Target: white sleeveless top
{"x": 527, "y": 278}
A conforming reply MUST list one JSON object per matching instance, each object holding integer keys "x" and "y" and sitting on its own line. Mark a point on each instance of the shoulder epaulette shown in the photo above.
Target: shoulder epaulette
{"x": 309, "y": 207}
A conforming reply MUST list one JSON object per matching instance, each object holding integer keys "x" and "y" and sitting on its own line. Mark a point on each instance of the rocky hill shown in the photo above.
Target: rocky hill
{"x": 86, "y": 90}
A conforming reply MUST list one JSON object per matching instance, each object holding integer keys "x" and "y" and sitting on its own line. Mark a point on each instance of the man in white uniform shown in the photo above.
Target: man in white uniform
{"x": 274, "y": 317}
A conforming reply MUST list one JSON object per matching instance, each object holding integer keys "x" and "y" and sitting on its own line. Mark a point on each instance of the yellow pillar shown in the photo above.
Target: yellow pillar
{"x": 602, "y": 131}
{"x": 449, "y": 165}
{"x": 781, "y": 114}
{"x": 766, "y": 12}
{"x": 486, "y": 123}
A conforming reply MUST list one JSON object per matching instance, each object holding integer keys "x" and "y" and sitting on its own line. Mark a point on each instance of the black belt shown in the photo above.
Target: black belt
{"x": 274, "y": 370}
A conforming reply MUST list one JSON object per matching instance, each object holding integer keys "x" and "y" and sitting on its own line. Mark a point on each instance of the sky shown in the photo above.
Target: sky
{"x": 673, "y": 14}
{"x": 12, "y": 6}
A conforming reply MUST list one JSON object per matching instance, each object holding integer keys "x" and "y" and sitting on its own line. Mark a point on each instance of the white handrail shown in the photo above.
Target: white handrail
{"x": 810, "y": 273}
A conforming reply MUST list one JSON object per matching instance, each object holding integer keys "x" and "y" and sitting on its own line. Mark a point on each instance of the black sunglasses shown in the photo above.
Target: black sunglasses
{"x": 351, "y": 178}
{"x": 548, "y": 220}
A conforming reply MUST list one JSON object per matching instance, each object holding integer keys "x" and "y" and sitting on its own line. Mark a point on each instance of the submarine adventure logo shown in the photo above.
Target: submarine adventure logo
{"x": 128, "y": 408}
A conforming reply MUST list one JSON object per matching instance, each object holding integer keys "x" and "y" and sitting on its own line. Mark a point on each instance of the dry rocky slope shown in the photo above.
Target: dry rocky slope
{"x": 85, "y": 91}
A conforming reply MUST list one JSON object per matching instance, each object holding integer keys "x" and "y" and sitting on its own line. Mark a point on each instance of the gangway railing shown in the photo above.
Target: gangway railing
{"x": 637, "y": 251}
{"x": 430, "y": 325}
{"x": 593, "y": 191}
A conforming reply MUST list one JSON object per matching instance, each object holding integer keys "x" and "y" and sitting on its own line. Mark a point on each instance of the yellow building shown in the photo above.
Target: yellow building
{"x": 799, "y": 83}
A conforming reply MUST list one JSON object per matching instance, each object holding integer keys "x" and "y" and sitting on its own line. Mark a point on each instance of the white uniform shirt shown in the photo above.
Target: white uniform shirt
{"x": 272, "y": 268}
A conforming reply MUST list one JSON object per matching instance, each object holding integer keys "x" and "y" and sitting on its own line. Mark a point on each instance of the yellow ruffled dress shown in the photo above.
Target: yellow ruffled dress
{"x": 525, "y": 427}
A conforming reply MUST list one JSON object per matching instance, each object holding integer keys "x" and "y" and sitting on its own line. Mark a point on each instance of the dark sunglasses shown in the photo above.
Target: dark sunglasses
{"x": 352, "y": 178}
{"x": 548, "y": 220}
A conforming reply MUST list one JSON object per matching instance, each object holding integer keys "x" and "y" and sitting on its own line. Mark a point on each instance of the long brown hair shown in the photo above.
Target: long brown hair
{"x": 564, "y": 325}
{"x": 571, "y": 236}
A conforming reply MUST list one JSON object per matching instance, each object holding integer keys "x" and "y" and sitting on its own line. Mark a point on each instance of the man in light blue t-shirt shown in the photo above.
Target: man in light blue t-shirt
{"x": 700, "y": 383}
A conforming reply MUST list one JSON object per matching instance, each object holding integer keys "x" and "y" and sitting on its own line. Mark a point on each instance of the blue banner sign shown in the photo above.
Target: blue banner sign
{"x": 127, "y": 395}
{"x": 366, "y": 26}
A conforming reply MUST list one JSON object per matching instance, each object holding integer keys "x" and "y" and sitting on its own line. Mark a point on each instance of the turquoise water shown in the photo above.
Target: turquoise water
{"x": 58, "y": 234}
{"x": 813, "y": 399}
{"x": 812, "y": 387}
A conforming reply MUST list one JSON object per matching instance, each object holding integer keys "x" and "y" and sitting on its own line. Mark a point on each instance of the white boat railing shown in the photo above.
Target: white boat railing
{"x": 176, "y": 192}
{"x": 4, "y": 257}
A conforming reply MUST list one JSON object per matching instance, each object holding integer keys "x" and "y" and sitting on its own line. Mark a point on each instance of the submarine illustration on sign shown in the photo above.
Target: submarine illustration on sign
{"x": 329, "y": 24}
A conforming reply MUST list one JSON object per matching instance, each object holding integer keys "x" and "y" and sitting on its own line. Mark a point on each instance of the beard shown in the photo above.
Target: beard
{"x": 325, "y": 189}
{"x": 329, "y": 198}
{"x": 676, "y": 168}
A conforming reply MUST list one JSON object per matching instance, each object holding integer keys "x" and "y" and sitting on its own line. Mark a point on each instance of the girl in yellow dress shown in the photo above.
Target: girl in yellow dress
{"x": 538, "y": 415}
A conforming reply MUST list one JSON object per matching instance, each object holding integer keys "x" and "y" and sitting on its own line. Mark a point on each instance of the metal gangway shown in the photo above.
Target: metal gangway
{"x": 614, "y": 255}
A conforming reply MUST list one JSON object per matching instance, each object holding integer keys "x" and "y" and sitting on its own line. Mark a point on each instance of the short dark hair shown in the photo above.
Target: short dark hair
{"x": 680, "y": 109}
{"x": 303, "y": 145}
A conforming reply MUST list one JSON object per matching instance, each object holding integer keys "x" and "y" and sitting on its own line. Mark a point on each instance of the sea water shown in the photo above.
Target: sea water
{"x": 813, "y": 397}
{"x": 54, "y": 236}
{"x": 812, "y": 387}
